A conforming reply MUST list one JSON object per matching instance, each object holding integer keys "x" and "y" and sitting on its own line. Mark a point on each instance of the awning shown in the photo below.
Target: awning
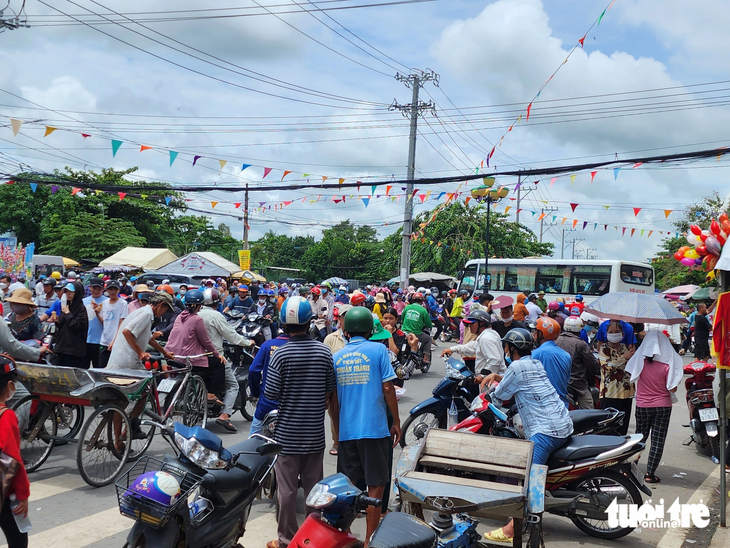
{"x": 68, "y": 263}
{"x": 248, "y": 275}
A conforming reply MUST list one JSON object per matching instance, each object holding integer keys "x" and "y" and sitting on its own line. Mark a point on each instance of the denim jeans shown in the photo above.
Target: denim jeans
{"x": 544, "y": 446}
{"x": 256, "y": 426}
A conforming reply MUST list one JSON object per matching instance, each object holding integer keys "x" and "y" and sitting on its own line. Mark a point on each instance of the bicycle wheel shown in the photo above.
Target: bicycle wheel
{"x": 248, "y": 407}
{"x": 38, "y": 427}
{"x": 70, "y": 419}
{"x": 141, "y": 434}
{"x": 195, "y": 402}
{"x": 104, "y": 445}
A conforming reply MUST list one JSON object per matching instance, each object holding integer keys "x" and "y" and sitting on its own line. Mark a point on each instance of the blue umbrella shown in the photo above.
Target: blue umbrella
{"x": 635, "y": 308}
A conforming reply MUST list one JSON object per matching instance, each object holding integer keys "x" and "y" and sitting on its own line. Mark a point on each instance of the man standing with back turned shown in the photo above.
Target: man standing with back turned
{"x": 301, "y": 378}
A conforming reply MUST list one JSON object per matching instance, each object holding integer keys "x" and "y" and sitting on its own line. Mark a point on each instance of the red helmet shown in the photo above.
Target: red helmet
{"x": 167, "y": 288}
{"x": 357, "y": 299}
{"x": 417, "y": 296}
{"x": 315, "y": 291}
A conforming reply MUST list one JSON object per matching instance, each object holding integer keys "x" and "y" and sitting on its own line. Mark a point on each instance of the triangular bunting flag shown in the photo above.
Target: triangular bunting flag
{"x": 15, "y": 124}
{"x": 637, "y": 164}
{"x": 168, "y": 199}
{"x": 142, "y": 148}
{"x": 324, "y": 178}
{"x": 582, "y": 40}
{"x": 143, "y": 196}
{"x": 195, "y": 159}
{"x": 305, "y": 175}
{"x": 213, "y": 204}
{"x": 173, "y": 156}
{"x": 285, "y": 174}
{"x": 667, "y": 212}
{"x": 542, "y": 216}
{"x": 262, "y": 204}
{"x": 528, "y": 112}
{"x": 388, "y": 189}
{"x": 244, "y": 166}
{"x": 573, "y": 206}
{"x": 427, "y": 194}
{"x": 575, "y": 222}
{"x": 593, "y": 176}
{"x": 466, "y": 202}
{"x": 75, "y": 191}
{"x": 34, "y": 186}
{"x": 237, "y": 204}
{"x": 642, "y": 233}
{"x": 49, "y": 130}
{"x": 585, "y": 223}
{"x": 85, "y": 135}
{"x": 636, "y": 211}
{"x": 121, "y": 195}
{"x": 601, "y": 17}
{"x": 632, "y": 232}
{"x": 341, "y": 180}
{"x": 115, "y": 147}
{"x": 650, "y": 233}
{"x": 287, "y": 203}
{"x": 564, "y": 219}
{"x": 572, "y": 179}
{"x": 267, "y": 170}
{"x": 623, "y": 232}
{"x": 365, "y": 201}
{"x": 372, "y": 190}
{"x": 552, "y": 181}
{"x": 615, "y": 173}
{"x": 222, "y": 163}
{"x": 506, "y": 209}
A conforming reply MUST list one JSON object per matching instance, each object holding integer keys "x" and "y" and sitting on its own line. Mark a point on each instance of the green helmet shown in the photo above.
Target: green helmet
{"x": 359, "y": 320}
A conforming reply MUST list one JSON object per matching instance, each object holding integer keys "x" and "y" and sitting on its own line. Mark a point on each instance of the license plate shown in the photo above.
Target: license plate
{"x": 166, "y": 386}
{"x": 709, "y": 414}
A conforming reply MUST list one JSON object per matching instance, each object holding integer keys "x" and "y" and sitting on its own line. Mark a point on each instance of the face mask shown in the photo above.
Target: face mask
{"x": 507, "y": 319}
{"x": 324, "y": 291}
{"x": 183, "y": 291}
{"x": 19, "y": 308}
{"x": 614, "y": 337}
{"x": 588, "y": 329}
{"x": 11, "y": 392}
{"x": 272, "y": 299}
{"x": 342, "y": 291}
{"x": 507, "y": 359}
{"x": 262, "y": 301}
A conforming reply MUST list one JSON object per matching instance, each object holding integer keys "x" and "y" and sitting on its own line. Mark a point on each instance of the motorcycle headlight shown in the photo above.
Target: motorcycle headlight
{"x": 320, "y": 497}
{"x": 476, "y": 404}
{"x": 198, "y": 454}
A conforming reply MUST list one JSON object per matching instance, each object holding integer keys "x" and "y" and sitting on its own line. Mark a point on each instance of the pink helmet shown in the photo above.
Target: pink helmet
{"x": 554, "y": 305}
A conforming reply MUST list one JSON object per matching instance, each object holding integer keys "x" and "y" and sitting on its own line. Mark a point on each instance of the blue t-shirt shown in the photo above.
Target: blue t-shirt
{"x": 361, "y": 369}
{"x": 584, "y": 336}
{"x": 95, "y": 326}
{"x": 257, "y": 375}
{"x": 241, "y": 305}
{"x": 55, "y": 307}
{"x": 557, "y": 363}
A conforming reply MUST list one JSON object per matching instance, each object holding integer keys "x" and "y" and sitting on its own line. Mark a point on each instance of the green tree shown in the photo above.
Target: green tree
{"x": 91, "y": 237}
{"x": 346, "y": 251}
{"x": 668, "y": 272}
{"x": 280, "y": 250}
{"x": 460, "y": 230}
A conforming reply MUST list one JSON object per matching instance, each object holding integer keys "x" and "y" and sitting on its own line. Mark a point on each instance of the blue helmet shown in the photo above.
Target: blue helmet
{"x": 579, "y": 298}
{"x": 194, "y": 297}
{"x": 295, "y": 310}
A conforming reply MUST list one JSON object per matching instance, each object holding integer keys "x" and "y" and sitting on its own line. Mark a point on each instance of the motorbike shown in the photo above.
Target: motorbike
{"x": 457, "y": 386}
{"x": 202, "y": 497}
{"x": 585, "y": 475}
{"x": 451, "y": 329}
{"x": 340, "y": 502}
{"x": 703, "y": 415}
{"x": 249, "y": 324}
{"x": 489, "y": 419}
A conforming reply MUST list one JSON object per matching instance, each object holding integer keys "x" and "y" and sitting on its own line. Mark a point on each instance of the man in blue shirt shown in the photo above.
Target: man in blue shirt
{"x": 242, "y": 302}
{"x": 257, "y": 380}
{"x": 365, "y": 382}
{"x": 556, "y": 361}
{"x": 93, "y": 307}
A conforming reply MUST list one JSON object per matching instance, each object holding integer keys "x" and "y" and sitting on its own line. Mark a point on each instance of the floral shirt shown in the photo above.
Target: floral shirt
{"x": 615, "y": 381}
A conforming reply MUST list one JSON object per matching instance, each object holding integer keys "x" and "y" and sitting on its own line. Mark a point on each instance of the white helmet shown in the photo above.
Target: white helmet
{"x": 422, "y": 290}
{"x": 573, "y": 324}
{"x": 211, "y": 296}
{"x": 589, "y": 318}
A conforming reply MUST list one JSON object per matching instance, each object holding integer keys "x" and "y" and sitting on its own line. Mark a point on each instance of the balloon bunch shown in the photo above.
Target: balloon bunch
{"x": 705, "y": 245}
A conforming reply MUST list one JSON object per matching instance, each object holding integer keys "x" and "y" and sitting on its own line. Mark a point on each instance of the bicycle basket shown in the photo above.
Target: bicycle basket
{"x": 145, "y": 509}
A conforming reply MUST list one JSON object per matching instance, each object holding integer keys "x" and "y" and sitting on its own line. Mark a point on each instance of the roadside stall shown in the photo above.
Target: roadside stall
{"x": 200, "y": 265}
{"x": 248, "y": 276}
{"x": 141, "y": 258}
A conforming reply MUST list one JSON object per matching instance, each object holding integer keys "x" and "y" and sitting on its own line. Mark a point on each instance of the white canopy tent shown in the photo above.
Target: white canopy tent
{"x": 140, "y": 257}
{"x": 200, "y": 265}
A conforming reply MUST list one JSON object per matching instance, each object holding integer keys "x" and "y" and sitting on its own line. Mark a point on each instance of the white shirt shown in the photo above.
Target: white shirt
{"x": 320, "y": 312}
{"x": 139, "y": 323}
{"x": 488, "y": 350}
{"x": 112, "y": 315}
{"x": 218, "y": 329}
{"x": 533, "y": 310}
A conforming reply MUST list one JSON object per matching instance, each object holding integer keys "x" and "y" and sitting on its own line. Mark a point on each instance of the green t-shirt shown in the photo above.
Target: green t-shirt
{"x": 415, "y": 319}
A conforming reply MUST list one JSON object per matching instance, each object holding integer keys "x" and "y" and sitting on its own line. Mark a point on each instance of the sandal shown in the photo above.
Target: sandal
{"x": 227, "y": 424}
{"x": 333, "y": 451}
{"x": 212, "y": 398}
{"x": 497, "y": 536}
{"x": 651, "y": 478}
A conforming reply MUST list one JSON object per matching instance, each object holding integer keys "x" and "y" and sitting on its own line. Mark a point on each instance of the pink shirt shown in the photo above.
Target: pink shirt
{"x": 399, "y": 306}
{"x": 651, "y": 386}
{"x": 188, "y": 337}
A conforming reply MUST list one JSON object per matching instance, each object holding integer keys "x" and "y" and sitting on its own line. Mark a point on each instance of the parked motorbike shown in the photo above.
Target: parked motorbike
{"x": 457, "y": 386}
{"x": 584, "y": 476}
{"x": 490, "y": 419}
{"x": 703, "y": 415}
{"x": 340, "y": 502}
{"x": 202, "y": 497}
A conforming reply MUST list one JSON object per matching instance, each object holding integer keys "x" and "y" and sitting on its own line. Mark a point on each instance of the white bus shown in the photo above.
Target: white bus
{"x": 557, "y": 277}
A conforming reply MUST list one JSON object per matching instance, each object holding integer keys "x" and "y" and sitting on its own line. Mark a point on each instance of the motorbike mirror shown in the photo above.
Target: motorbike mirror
{"x": 269, "y": 449}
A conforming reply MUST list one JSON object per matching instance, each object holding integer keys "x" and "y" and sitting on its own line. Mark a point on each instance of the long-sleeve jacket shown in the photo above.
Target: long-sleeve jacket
{"x": 488, "y": 350}
{"x": 190, "y": 338}
{"x": 218, "y": 329}
{"x": 583, "y": 359}
{"x": 15, "y": 348}
{"x": 10, "y": 445}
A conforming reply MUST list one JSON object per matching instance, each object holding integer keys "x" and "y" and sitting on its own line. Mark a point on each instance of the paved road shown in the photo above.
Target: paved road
{"x": 66, "y": 513}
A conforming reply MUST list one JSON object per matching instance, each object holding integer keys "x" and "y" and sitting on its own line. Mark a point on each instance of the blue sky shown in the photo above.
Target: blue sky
{"x": 487, "y": 53}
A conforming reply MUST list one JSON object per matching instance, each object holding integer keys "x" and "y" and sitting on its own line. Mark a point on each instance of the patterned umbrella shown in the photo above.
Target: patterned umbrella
{"x": 635, "y": 308}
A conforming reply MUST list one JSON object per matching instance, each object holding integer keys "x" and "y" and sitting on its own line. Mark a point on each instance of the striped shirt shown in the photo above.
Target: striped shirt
{"x": 301, "y": 374}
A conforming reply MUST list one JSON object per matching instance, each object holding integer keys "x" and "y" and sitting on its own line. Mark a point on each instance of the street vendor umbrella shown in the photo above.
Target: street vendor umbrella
{"x": 635, "y": 308}
{"x": 335, "y": 281}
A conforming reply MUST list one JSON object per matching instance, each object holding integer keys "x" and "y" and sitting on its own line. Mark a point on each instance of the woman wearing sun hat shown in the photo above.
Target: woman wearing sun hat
{"x": 24, "y": 323}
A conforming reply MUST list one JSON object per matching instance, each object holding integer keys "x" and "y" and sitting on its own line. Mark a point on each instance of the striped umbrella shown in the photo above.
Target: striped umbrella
{"x": 635, "y": 308}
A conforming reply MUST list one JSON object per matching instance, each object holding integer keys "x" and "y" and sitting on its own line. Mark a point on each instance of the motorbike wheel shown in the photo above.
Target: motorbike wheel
{"x": 247, "y": 407}
{"x": 425, "y": 367}
{"x": 598, "y": 489}
{"x": 429, "y": 419}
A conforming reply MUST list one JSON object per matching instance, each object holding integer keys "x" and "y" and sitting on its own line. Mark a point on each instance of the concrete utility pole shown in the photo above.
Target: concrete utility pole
{"x": 543, "y": 211}
{"x": 414, "y": 81}
{"x": 245, "y": 219}
{"x": 520, "y": 196}
{"x": 573, "y": 242}
{"x": 562, "y": 242}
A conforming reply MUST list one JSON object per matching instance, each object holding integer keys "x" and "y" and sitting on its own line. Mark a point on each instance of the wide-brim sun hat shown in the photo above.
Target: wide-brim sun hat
{"x": 21, "y": 296}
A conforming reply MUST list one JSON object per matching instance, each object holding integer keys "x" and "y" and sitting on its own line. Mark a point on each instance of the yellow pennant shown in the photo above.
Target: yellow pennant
{"x": 49, "y": 130}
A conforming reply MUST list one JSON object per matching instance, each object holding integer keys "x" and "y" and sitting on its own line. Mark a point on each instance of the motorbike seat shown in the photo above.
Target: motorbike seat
{"x": 585, "y": 419}
{"x": 583, "y": 447}
{"x": 399, "y": 530}
{"x": 235, "y": 479}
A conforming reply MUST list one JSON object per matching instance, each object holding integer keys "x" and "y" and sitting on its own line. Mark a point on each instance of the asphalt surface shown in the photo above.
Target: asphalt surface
{"x": 65, "y": 512}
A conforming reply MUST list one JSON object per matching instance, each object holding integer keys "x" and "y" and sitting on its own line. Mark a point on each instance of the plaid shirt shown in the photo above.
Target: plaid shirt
{"x": 541, "y": 409}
